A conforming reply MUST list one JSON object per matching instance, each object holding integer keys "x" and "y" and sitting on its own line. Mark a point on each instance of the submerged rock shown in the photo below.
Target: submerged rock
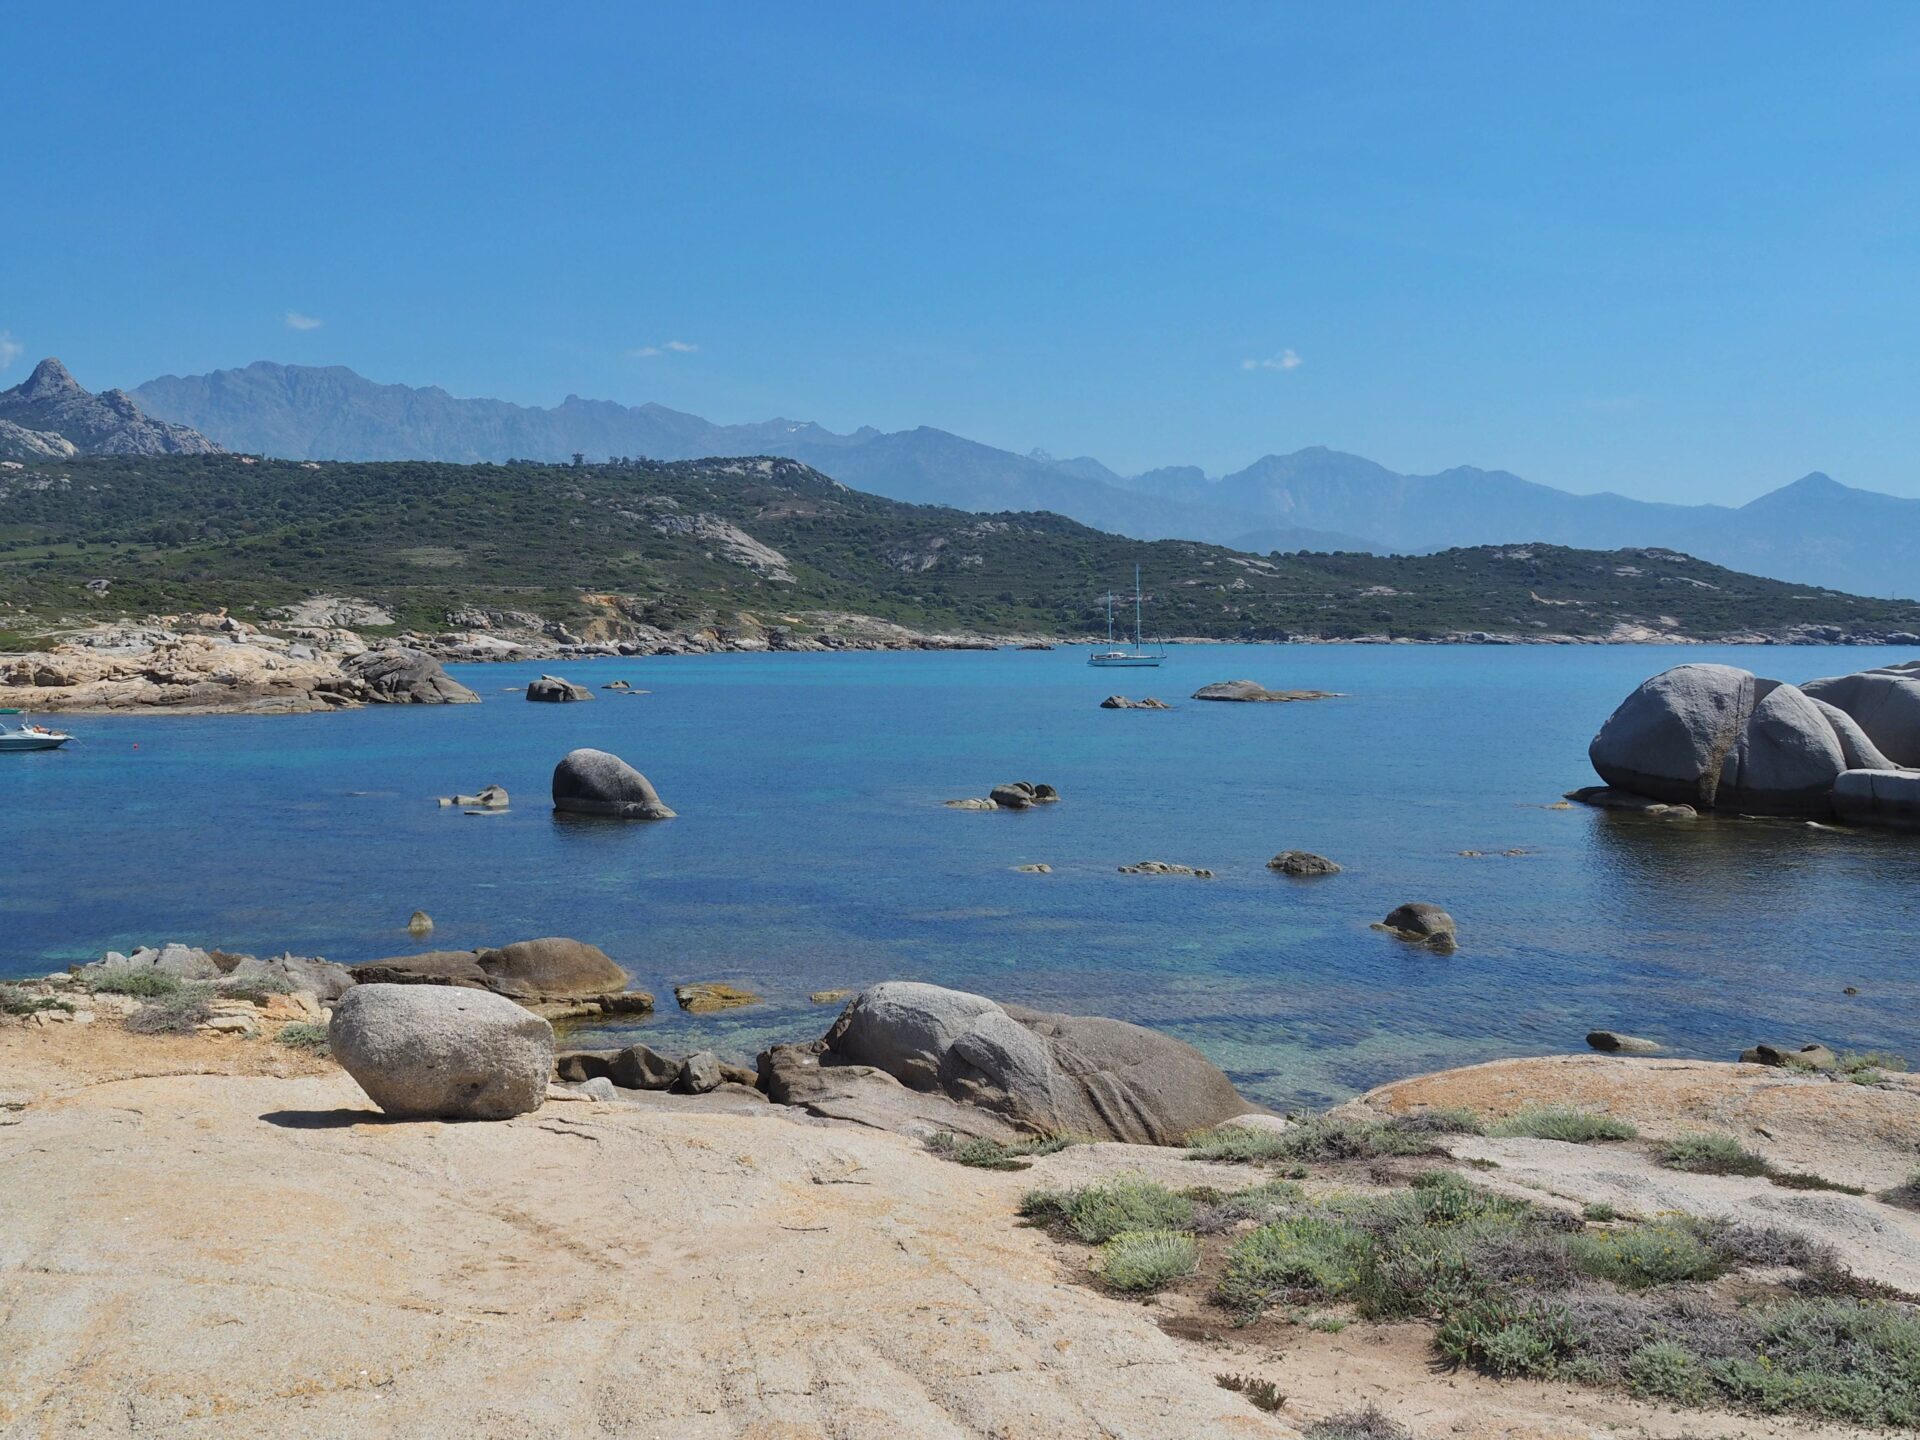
{"x": 552, "y": 690}
{"x": 592, "y": 782}
{"x": 978, "y": 803}
{"x": 703, "y": 997}
{"x": 1253, "y": 692}
{"x": 493, "y": 797}
{"x": 439, "y": 1052}
{"x": 1163, "y": 867}
{"x": 1121, "y": 702}
{"x": 1614, "y": 1043}
{"x": 1605, "y": 797}
{"x": 1421, "y": 923}
{"x": 1302, "y": 862}
{"x": 1020, "y": 794}
{"x": 420, "y": 923}
{"x": 1048, "y": 1074}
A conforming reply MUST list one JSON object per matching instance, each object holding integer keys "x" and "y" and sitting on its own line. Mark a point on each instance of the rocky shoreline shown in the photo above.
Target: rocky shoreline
{"x": 329, "y": 653}
{"x": 723, "y": 1253}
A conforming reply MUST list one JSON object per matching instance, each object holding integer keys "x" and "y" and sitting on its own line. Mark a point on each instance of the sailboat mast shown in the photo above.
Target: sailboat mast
{"x": 1136, "y": 607}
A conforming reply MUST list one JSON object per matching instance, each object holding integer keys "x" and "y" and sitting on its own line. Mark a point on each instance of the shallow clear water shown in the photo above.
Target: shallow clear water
{"x": 813, "y": 851}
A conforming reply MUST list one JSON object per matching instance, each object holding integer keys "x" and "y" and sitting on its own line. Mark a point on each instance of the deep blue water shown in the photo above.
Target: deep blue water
{"x": 812, "y": 851}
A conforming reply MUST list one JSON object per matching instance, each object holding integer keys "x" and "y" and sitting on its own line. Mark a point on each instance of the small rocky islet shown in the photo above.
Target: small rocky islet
{"x": 1717, "y": 739}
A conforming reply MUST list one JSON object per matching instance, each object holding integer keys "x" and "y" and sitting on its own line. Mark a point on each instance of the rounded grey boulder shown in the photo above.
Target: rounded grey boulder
{"x": 442, "y": 1052}
{"x": 1885, "y": 704}
{"x": 592, "y": 782}
{"x": 552, "y": 690}
{"x": 1421, "y": 922}
{"x": 1716, "y": 737}
{"x": 1051, "y": 1074}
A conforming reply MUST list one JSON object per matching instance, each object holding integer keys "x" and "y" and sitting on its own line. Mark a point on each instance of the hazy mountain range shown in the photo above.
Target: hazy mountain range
{"x": 1813, "y": 531}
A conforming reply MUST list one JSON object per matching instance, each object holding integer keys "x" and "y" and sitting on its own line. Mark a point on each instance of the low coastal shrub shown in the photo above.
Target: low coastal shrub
{"x": 1371, "y": 1423}
{"x": 1507, "y": 1336}
{"x": 1598, "y": 1210}
{"x": 992, "y": 1154}
{"x": 1553, "y": 1122}
{"x": 1704, "y": 1153}
{"x": 1139, "y": 1261}
{"x": 303, "y": 1035}
{"x": 1261, "y": 1394}
{"x": 1237, "y": 1145}
{"x": 1307, "y": 1256}
{"x": 258, "y": 989}
{"x": 1667, "y": 1370}
{"x": 1664, "y": 1252}
{"x": 142, "y": 984}
{"x": 1216, "y": 1212}
{"x": 15, "y": 1001}
{"x": 1867, "y": 1067}
{"x": 177, "y": 1012}
{"x": 1336, "y": 1137}
{"x": 1802, "y": 1180}
{"x": 1097, "y": 1213}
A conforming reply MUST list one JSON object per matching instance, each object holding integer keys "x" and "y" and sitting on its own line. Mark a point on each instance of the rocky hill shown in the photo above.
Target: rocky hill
{"x": 51, "y": 415}
{"x": 766, "y": 546}
{"x": 1814, "y": 531}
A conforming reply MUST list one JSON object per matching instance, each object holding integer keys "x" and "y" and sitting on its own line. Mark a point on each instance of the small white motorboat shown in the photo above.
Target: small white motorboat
{"x": 19, "y": 733}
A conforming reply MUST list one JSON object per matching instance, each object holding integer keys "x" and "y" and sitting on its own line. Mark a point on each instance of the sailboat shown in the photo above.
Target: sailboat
{"x": 1122, "y": 658}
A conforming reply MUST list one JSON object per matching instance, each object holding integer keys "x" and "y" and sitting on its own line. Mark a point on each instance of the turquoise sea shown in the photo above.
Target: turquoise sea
{"x": 813, "y": 851}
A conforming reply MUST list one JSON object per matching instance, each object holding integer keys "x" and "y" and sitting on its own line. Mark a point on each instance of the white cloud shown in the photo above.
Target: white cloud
{"x": 1285, "y": 360}
{"x": 10, "y": 349}
{"x": 297, "y": 321}
{"x": 671, "y": 347}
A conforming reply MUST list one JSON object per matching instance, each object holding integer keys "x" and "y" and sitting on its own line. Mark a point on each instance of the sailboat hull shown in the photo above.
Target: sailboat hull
{"x": 1123, "y": 662}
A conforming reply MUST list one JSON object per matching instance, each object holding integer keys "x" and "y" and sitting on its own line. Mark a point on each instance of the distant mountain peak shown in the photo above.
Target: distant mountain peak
{"x": 49, "y": 380}
{"x": 51, "y": 403}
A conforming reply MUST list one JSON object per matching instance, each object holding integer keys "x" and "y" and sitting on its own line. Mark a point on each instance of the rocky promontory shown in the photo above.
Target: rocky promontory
{"x": 216, "y": 662}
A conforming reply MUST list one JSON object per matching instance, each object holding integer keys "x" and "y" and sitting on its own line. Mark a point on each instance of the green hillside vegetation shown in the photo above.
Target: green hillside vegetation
{"x": 181, "y": 533}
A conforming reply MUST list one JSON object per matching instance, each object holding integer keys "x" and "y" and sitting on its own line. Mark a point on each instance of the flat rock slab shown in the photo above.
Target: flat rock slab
{"x": 302, "y": 1269}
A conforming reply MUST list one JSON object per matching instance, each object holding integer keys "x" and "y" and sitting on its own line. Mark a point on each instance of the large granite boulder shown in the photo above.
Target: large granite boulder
{"x": 1716, "y": 737}
{"x": 400, "y": 675}
{"x": 442, "y": 1052}
{"x": 552, "y": 690}
{"x": 1254, "y": 692}
{"x": 1879, "y": 797}
{"x": 1884, "y": 703}
{"x": 1047, "y": 1074}
{"x": 592, "y": 782}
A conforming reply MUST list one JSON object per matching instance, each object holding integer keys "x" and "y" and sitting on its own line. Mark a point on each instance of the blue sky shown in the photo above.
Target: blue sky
{"x": 1667, "y": 250}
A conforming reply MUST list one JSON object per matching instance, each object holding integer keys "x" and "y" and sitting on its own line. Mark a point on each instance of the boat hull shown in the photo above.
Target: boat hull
{"x": 1124, "y": 662}
{"x": 32, "y": 742}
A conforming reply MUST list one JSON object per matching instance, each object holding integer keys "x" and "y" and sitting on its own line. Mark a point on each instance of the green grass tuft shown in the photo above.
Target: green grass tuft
{"x": 1577, "y": 1127}
{"x": 303, "y": 1035}
{"x": 1140, "y": 1261}
{"x": 992, "y": 1154}
{"x": 1097, "y": 1213}
{"x": 1704, "y": 1153}
{"x": 143, "y": 984}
